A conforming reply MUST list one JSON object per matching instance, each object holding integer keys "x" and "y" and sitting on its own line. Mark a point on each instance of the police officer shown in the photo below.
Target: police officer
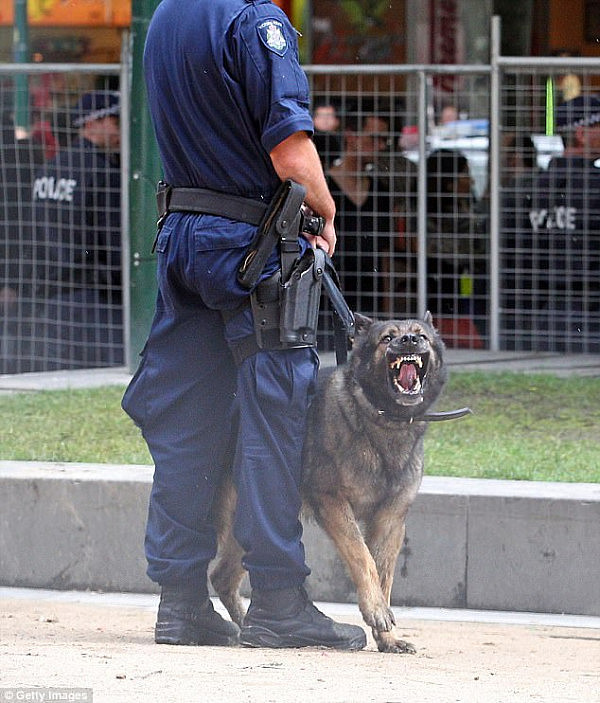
{"x": 20, "y": 160}
{"x": 77, "y": 198}
{"x": 229, "y": 103}
{"x": 560, "y": 265}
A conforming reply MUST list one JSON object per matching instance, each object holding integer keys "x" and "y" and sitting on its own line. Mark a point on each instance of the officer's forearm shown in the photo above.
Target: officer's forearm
{"x": 296, "y": 157}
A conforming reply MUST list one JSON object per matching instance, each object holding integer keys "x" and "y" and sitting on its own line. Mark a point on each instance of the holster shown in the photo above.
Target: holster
{"x": 281, "y": 223}
{"x": 286, "y": 305}
{"x": 286, "y": 313}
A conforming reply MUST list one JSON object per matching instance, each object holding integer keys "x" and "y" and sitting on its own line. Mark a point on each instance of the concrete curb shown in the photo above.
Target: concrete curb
{"x": 477, "y": 544}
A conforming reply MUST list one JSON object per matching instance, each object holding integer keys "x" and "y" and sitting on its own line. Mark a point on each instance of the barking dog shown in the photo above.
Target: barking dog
{"x": 363, "y": 463}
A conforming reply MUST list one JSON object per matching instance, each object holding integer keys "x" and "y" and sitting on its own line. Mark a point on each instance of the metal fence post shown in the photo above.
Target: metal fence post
{"x": 21, "y": 55}
{"x": 124, "y": 82}
{"x": 494, "y": 157}
{"x": 422, "y": 197}
{"x": 145, "y": 172}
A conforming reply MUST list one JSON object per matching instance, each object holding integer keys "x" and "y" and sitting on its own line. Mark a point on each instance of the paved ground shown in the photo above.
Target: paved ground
{"x": 104, "y": 643}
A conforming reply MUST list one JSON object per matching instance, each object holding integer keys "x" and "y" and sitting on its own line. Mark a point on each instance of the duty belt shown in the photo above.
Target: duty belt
{"x": 275, "y": 218}
{"x": 207, "y": 202}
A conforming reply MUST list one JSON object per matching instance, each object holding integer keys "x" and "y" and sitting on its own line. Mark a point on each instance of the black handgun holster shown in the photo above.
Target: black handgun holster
{"x": 286, "y": 313}
{"x": 285, "y": 306}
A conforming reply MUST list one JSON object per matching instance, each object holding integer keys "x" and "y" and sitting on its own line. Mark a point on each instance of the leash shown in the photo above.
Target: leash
{"x": 434, "y": 416}
{"x": 443, "y": 415}
{"x": 343, "y": 318}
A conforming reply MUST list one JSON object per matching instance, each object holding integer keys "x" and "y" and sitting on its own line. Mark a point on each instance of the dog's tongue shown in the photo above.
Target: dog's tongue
{"x": 408, "y": 376}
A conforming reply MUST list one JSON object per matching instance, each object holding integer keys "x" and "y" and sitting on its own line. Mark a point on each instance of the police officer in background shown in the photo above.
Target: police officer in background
{"x": 20, "y": 159}
{"x": 77, "y": 198}
{"x": 561, "y": 275}
{"x": 229, "y": 104}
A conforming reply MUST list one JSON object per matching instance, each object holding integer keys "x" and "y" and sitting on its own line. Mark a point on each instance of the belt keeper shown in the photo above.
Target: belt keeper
{"x": 163, "y": 199}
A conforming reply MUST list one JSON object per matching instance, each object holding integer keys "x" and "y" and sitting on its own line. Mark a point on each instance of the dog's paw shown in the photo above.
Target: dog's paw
{"x": 234, "y": 606}
{"x": 381, "y": 618}
{"x": 388, "y": 642}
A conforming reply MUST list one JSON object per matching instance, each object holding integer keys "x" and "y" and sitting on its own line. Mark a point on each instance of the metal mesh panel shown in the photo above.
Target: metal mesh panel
{"x": 415, "y": 230}
{"x": 425, "y": 239}
{"x": 60, "y": 228}
{"x": 372, "y": 161}
{"x": 550, "y": 217}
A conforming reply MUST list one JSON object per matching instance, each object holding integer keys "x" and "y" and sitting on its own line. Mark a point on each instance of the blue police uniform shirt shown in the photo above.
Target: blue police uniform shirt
{"x": 77, "y": 199}
{"x": 564, "y": 222}
{"x": 224, "y": 88}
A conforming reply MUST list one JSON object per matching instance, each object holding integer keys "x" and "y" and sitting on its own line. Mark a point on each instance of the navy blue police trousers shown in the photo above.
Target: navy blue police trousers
{"x": 202, "y": 415}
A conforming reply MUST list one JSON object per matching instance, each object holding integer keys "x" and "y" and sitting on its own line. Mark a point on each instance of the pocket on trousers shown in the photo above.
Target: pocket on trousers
{"x": 134, "y": 401}
{"x": 219, "y": 248}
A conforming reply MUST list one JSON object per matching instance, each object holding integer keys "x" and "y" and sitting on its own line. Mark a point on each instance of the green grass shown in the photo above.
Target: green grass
{"x": 76, "y": 425}
{"x": 540, "y": 428}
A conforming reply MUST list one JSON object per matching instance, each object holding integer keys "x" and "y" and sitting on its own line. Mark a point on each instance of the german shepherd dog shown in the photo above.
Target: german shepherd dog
{"x": 363, "y": 463}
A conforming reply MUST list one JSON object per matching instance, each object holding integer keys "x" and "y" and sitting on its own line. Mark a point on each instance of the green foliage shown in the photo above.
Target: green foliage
{"x": 540, "y": 428}
{"x": 76, "y": 425}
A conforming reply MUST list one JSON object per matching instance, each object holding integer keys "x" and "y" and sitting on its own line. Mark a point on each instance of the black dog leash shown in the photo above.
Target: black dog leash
{"x": 434, "y": 417}
{"x": 343, "y": 318}
{"x": 443, "y": 415}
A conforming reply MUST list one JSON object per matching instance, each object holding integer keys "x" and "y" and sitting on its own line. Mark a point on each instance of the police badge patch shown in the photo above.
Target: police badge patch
{"x": 272, "y": 36}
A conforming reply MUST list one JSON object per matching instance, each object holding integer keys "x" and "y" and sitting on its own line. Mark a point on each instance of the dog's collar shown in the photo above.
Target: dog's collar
{"x": 443, "y": 415}
{"x": 435, "y": 417}
{"x": 425, "y": 417}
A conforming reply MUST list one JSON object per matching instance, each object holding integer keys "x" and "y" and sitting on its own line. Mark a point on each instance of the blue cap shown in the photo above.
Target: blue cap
{"x": 95, "y": 106}
{"x": 582, "y": 111}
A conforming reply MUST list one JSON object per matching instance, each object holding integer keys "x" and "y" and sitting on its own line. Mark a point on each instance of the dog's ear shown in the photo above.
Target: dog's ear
{"x": 362, "y": 323}
{"x": 427, "y": 318}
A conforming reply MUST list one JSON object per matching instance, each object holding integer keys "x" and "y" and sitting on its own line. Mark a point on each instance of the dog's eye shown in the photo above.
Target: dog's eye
{"x": 386, "y": 339}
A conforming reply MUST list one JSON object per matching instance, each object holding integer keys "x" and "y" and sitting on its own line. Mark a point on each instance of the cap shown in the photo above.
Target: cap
{"x": 582, "y": 111}
{"x": 95, "y": 106}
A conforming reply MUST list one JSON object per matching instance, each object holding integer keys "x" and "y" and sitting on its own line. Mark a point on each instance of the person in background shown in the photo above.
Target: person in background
{"x": 19, "y": 159}
{"x": 448, "y": 114}
{"x": 326, "y": 136}
{"x": 77, "y": 257}
{"x": 456, "y": 245}
{"x": 365, "y": 210}
{"x": 519, "y": 176}
{"x": 568, "y": 84}
{"x": 559, "y": 247}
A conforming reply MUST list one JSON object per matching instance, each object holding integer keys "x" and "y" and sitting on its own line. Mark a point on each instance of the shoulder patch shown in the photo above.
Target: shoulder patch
{"x": 272, "y": 36}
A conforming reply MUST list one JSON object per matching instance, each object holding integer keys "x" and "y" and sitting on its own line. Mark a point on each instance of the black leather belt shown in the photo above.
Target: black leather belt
{"x": 209, "y": 202}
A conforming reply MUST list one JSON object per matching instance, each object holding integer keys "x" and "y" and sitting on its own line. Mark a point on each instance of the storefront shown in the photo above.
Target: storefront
{"x": 335, "y": 32}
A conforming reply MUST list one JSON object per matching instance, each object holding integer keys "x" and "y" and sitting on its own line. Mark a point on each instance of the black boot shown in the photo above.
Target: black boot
{"x": 287, "y": 618}
{"x": 188, "y": 617}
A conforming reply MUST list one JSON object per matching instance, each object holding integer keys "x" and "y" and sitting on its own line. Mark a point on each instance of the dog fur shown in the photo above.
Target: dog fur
{"x": 362, "y": 465}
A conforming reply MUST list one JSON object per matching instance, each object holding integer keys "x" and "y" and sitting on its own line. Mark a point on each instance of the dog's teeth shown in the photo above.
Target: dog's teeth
{"x": 412, "y": 358}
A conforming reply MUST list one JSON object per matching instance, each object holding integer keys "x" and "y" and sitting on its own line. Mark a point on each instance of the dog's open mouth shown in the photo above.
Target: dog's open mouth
{"x": 407, "y": 372}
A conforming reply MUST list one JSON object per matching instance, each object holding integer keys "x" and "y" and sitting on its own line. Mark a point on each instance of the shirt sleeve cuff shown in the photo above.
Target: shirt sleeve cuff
{"x": 283, "y": 129}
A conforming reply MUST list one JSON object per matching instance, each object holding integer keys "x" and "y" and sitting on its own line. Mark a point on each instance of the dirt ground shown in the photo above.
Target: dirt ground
{"x": 109, "y": 649}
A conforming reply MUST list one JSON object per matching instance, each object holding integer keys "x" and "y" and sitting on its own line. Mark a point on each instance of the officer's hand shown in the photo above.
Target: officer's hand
{"x": 326, "y": 240}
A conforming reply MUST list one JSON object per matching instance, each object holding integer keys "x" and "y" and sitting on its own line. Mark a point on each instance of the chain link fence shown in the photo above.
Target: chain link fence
{"x": 472, "y": 192}
{"x": 464, "y": 190}
{"x": 61, "y": 266}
